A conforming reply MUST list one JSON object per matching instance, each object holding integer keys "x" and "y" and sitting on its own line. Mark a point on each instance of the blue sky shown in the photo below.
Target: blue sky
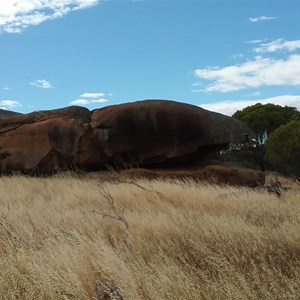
{"x": 221, "y": 55}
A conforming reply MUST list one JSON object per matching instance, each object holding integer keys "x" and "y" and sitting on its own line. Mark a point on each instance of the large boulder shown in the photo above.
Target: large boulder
{"x": 45, "y": 141}
{"x": 147, "y": 133}
{"x": 150, "y": 132}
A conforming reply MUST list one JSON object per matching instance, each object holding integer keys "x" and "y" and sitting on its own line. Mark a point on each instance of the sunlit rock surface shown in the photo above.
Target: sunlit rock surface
{"x": 139, "y": 134}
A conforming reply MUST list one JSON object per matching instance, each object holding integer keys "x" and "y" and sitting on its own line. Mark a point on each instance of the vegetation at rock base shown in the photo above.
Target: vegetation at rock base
{"x": 263, "y": 119}
{"x": 66, "y": 237}
{"x": 283, "y": 148}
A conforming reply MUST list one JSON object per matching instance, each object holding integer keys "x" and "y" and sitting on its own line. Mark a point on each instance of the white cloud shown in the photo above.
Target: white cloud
{"x": 6, "y": 88}
{"x": 80, "y": 102}
{"x": 256, "y": 94}
{"x": 197, "y": 84}
{"x": 41, "y": 83}
{"x": 87, "y": 101}
{"x": 261, "y": 18}
{"x": 16, "y": 15}
{"x": 9, "y": 104}
{"x": 238, "y": 56}
{"x": 254, "y": 42}
{"x": 82, "y": 4}
{"x": 277, "y": 45}
{"x": 229, "y": 107}
{"x": 92, "y": 95}
{"x": 252, "y": 74}
{"x": 90, "y": 98}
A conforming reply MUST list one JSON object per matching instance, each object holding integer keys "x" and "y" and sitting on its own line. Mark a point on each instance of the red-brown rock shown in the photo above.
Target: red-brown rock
{"x": 233, "y": 175}
{"x": 7, "y": 113}
{"x": 47, "y": 140}
{"x": 150, "y": 132}
{"x": 214, "y": 174}
{"x": 145, "y": 133}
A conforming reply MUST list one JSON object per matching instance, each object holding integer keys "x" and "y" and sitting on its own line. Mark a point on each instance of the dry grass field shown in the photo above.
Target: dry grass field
{"x": 71, "y": 237}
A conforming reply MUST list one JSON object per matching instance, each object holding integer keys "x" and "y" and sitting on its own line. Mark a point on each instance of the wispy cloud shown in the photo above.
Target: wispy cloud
{"x": 231, "y": 106}
{"x": 87, "y": 101}
{"x": 80, "y": 102}
{"x": 90, "y": 98}
{"x": 261, "y": 18}
{"x": 278, "y": 45}
{"x": 16, "y": 15}
{"x": 238, "y": 56}
{"x": 41, "y": 83}
{"x": 92, "y": 95}
{"x": 252, "y": 74}
{"x": 9, "y": 104}
{"x": 254, "y": 42}
{"x": 6, "y": 88}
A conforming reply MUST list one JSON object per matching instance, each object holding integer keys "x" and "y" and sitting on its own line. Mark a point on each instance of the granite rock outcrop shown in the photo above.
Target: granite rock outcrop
{"x": 149, "y": 133}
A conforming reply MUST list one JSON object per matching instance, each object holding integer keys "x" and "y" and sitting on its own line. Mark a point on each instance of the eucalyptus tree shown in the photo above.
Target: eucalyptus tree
{"x": 263, "y": 119}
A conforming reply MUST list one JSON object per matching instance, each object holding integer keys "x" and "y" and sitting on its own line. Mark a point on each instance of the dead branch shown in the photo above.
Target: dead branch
{"x": 118, "y": 178}
{"x": 111, "y": 290}
{"x": 118, "y": 214}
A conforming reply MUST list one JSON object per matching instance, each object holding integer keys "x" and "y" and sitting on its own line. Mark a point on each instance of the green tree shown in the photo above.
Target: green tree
{"x": 283, "y": 149}
{"x": 263, "y": 119}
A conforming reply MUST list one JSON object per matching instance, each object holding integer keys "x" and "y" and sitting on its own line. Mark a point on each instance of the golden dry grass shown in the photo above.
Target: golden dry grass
{"x": 185, "y": 240}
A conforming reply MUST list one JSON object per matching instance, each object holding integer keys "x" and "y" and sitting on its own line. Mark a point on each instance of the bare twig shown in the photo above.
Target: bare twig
{"x": 118, "y": 214}
{"x": 118, "y": 178}
{"x": 275, "y": 188}
{"x": 111, "y": 290}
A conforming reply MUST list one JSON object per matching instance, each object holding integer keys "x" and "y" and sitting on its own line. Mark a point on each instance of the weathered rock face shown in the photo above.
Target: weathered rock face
{"x": 160, "y": 132}
{"x": 47, "y": 140}
{"x": 144, "y": 133}
{"x": 233, "y": 175}
{"x": 214, "y": 174}
{"x": 7, "y": 113}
